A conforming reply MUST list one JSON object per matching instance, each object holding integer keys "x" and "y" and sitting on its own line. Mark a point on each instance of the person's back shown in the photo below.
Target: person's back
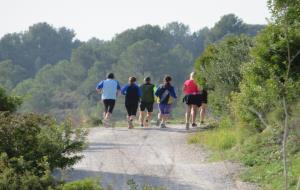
{"x": 166, "y": 93}
{"x": 132, "y": 95}
{"x": 147, "y": 93}
{"x": 190, "y": 87}
{"x": 109, "y": 89}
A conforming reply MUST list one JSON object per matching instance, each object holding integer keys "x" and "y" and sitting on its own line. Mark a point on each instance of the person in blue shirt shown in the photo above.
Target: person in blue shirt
{"x": 166, "y": 94}
{"x": 109, "y": 89}
{"x": 132, "y": 94}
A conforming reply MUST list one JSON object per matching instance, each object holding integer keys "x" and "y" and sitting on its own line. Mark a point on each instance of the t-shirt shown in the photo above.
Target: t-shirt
{"x": 190, "y": 87}
{"x": 147, "y": 93}
{"x": 109, "y": 88}
{"x": 166, "y": 94}
{"x": 132, "y": 93}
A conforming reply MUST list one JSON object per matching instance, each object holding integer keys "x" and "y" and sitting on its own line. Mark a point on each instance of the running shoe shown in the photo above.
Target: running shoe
{"x": 162, "y": 125}
{"x": 105, "y": 123}
{"x": 194, "y": 125}
{"x": 157, "y": 122}
{"x": 187, "y": 126}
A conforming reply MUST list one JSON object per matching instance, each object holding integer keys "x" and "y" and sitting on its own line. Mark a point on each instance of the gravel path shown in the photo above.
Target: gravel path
{"x": 159, "y": 157}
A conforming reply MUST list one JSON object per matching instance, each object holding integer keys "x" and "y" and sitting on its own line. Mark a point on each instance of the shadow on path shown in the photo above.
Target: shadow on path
{"x": 119, "y": 181}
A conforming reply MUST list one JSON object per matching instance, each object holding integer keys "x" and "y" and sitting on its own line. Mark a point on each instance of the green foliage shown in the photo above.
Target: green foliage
{"x": 228, "y": 25}
{"x": 35, "y": 138}
{"x": 222, "y": 138}
{"x": 133, "y": 186}
{"x": 256, "y": 102}
{"x": 264, "y": 82}
{"x": 285, "y": 10}
{"x": 61, "y": 73}
{"x": 16, "y": 174}
{"x": 40, "y": 45}
{"x": 11, "y": 74}
{"x": 9, "y": 103}
{"x": 85, "y": 184}
{"x": 218, "y": 68}
{"x": 261, "y": 153}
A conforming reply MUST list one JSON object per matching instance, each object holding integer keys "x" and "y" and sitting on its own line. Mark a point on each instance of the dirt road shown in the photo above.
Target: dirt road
{"x": 153, "y": 156}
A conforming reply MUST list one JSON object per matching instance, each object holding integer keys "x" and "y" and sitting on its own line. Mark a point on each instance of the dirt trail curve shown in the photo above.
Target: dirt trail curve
{"x": 153, "y": 156}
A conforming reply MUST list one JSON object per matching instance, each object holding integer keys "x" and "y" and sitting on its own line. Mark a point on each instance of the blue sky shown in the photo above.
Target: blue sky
{"x": 105, "y": 18}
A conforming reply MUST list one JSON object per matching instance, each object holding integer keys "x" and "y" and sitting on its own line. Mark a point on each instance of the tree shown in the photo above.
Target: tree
{"x": 140, "y": 59}
{"x": 11, "y": 74}
{"x": 8, "y": 103}
{"x": 219, "y": 68}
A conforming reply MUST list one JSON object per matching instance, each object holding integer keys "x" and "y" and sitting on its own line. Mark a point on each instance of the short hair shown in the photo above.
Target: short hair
{"x": 168, "y": 78}
{"x": 132, "y": 79}
{"x": 110, "y": 76}
{"x": 147, "y": 79}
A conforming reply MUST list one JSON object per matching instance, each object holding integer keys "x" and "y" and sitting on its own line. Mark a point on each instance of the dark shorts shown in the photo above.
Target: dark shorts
{"x": 131, "y": 109}
{"x": 145, "y": 105}
{"x": 109, "y": 105}
{"x": 192, "y": 99}
{"x": 164, "y": 108}
{"x": 203, "y": 96}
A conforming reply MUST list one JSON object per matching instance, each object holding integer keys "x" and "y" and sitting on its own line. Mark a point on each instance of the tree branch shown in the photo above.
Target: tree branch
{"x": 295, "y": 56}
{"x": 259, "y": 115}
{"x": 285, "y": 138}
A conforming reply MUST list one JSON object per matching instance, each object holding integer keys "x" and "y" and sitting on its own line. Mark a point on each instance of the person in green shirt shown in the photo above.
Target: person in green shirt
{"x": 147, "y": 101}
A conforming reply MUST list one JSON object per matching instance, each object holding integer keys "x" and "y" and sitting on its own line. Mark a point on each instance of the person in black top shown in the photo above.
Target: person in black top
{"x": 132, "y": 94}
{"x": 147, "y": 101}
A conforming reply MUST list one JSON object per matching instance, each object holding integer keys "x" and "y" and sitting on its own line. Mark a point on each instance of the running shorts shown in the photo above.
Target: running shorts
{"x": 146, "y": 105}
{"x": 109, "y": 105}
{"x": 131, "y": 109}
{"x": 203, "y": 96}
{"x": 192, "y": 99}
{"x": 164, "y": 108}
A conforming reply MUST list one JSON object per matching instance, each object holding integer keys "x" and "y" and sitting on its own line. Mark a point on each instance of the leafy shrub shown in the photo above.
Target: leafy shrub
{"x": 8, "y": 103}
{"x": 85, "y": 184}
{"x": 34, "y": 137}
{"x": 16, "y": 174}
{"x": 218, "y": 69}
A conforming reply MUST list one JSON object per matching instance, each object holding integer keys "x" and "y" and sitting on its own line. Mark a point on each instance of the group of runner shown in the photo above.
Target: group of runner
{"x": 144, "y": 97}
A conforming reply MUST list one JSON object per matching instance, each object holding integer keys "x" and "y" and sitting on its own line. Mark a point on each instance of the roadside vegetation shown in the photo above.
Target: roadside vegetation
{"x": 254, "y": 96}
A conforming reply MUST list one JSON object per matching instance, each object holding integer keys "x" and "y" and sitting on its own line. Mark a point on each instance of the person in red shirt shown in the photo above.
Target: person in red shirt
{"x": 192, "y": 100}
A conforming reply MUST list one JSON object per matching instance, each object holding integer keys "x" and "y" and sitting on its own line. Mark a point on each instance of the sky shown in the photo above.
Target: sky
{"x": 104, "y": 19}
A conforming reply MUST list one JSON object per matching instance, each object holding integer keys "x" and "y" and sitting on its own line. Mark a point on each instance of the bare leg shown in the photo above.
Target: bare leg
{"x": 107, "y": 115}
{"x": 142, "y": 117}
{"x": 188, "y": 113}
{"x": 202, "y": 112}
{"x": 158, "y": 119}
{"x": 164, "y": 118}
{"x": 148, "y": 118}
{"x": 194, "y": 113}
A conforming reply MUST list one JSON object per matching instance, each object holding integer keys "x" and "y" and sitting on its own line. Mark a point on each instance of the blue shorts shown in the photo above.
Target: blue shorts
{"x": 164, "y": 108}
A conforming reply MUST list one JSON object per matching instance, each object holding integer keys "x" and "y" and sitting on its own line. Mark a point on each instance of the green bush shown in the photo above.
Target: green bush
{"x": 35, "y": 137}
{"x": 85, "y": 184}
{"x": 16, "y": 174}
{"x": 218, "y": 69}
{"x": 8, "y": 103}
